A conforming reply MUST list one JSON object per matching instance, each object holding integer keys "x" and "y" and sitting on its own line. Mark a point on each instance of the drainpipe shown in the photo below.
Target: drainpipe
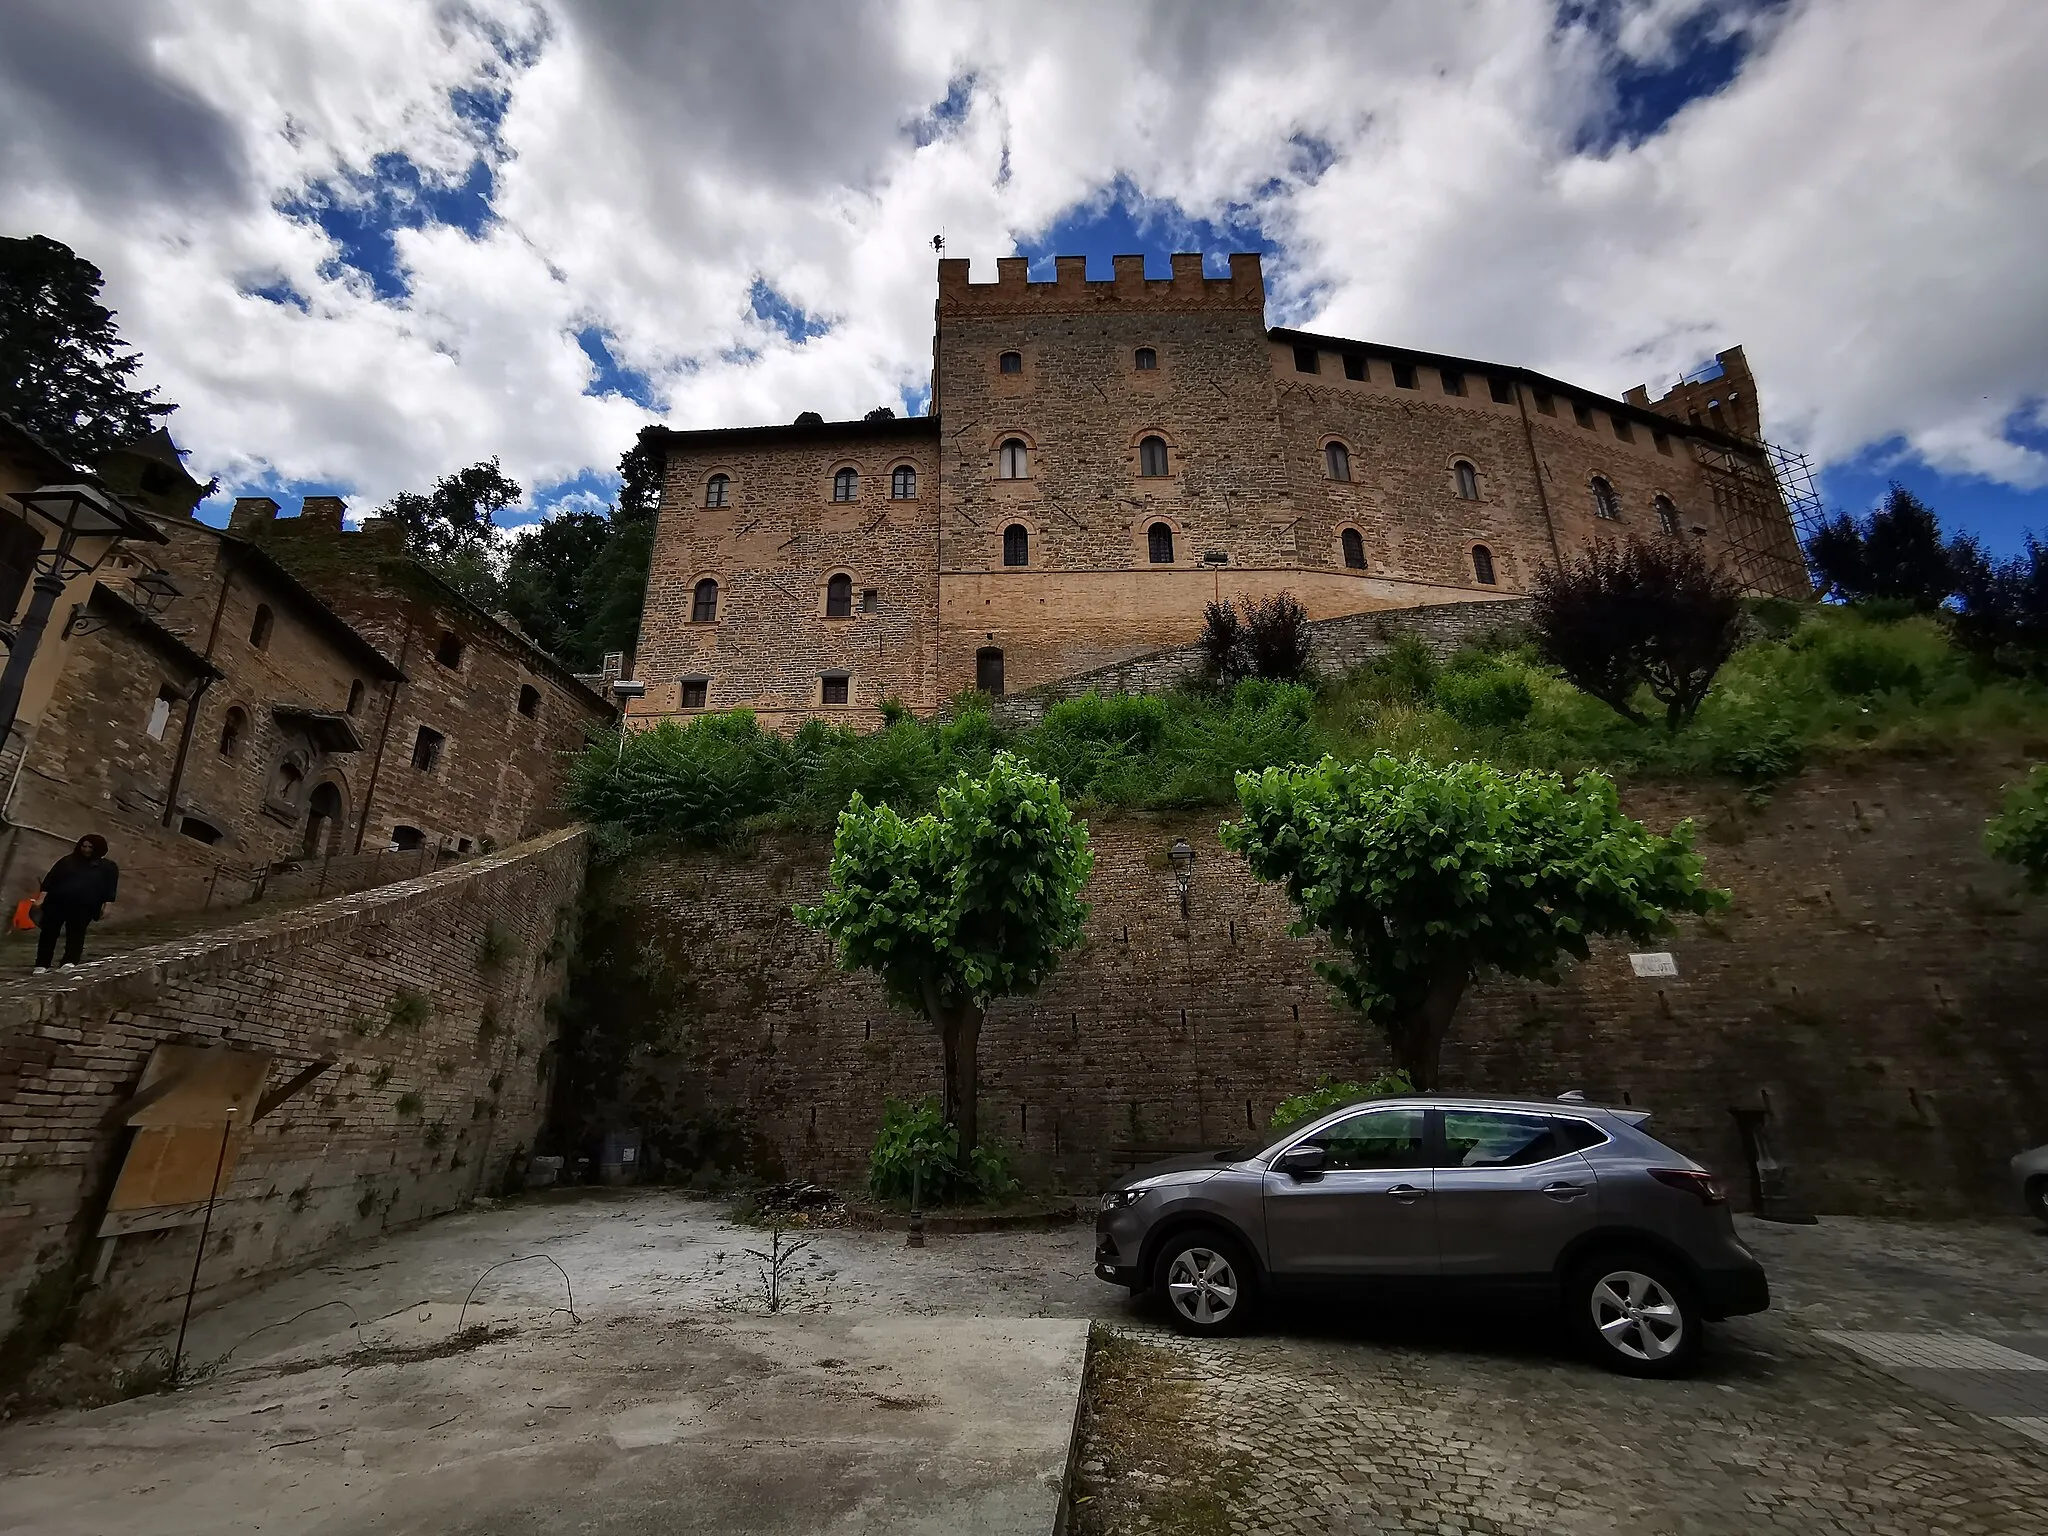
{"x": 1536, "y": 465}
{"x": 383, "y": 735}
{"x": 227, "y": 580}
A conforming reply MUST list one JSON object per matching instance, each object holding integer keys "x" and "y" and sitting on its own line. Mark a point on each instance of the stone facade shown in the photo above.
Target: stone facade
{"x": 1875, "y": 985}
{"x": 428, "y": 1000}
{"x": 1107, "y": 457}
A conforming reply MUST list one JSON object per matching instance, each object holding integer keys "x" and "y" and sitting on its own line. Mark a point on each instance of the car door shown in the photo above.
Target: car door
{"x": 1368, "y": 1213}
{"x": 1511, "y": 1191}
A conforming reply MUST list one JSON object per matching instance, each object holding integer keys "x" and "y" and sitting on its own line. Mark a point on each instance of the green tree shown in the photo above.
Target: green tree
{"x": 452, "y": 529}
{"x": 2018, "y": 834}
{"x": 576, "y": 583}
{"x": 1423, "y": 877}
{"x": 1895, "y": 555}
{"x": 956, "y": 908}
{"x": 64, "y": 371}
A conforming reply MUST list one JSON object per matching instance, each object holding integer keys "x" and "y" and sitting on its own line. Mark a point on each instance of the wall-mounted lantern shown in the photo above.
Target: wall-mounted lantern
{"x": 1182, "y": 858}
{"x": 76, "y": 512}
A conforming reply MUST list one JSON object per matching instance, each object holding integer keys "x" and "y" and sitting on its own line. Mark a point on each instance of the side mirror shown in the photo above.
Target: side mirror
{"x": 1303, "y": 1161}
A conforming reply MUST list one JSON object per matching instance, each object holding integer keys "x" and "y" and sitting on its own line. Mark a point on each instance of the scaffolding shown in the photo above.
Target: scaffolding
{"x": 1768, "y": 506}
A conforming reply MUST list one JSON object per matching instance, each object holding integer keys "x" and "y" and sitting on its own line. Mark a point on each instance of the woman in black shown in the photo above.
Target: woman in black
{"x": 75, "y": 892}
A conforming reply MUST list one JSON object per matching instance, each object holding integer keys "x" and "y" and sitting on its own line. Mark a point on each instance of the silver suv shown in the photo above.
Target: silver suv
{"x": 1563, "y": 1201}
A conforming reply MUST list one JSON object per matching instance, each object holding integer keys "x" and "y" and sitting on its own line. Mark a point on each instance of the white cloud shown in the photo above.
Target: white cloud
{"x": 1863, "y": 207}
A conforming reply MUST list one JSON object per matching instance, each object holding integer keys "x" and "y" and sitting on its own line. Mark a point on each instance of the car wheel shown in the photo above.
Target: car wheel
{"x": 1204, "y": 1281}
{"x": 2037, "y": 1199}
{"x": 1635, "y": 1313}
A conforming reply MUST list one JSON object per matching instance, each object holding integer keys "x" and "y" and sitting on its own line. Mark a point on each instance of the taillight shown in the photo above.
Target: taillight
{"x": 1693, "y": 1182}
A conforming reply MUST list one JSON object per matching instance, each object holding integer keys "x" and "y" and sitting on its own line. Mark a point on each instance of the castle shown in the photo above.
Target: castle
{"x": 1104, "y": 458}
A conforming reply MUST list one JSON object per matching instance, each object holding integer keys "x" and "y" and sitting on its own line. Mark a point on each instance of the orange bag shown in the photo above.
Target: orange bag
{"x": 23, "y": 913}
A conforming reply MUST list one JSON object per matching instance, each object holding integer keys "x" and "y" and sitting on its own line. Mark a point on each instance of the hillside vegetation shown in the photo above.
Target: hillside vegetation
{"x": 1813, "y": 683}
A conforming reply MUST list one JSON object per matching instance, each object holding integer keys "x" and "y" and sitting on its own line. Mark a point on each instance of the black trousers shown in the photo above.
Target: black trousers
{"x": 73, "y": 921}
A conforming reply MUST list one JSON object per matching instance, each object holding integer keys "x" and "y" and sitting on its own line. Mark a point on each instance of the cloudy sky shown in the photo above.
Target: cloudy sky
{"x": 365, "y": 242}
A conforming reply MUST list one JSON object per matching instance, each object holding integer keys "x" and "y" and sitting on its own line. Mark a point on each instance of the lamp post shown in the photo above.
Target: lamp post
{"x": 78, "y": 512}
{"x": 1182, "y": 858}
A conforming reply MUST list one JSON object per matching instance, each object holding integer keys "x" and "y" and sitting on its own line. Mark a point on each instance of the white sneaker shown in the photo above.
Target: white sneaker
{"x": 39, "y": 970}
{"x": 65, "y": 966}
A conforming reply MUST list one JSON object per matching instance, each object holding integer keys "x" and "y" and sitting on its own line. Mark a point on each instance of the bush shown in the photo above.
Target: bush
{"x": 2019, "y": 833}
{"x": 915, "y": 1135}
{"x": 1478, "y": 691}
{"x": 1857, "y": 661}
{"x": 1269, "y": 639}
{"x": 1329, "y": 1094}
{"x": 1404, "y": 674}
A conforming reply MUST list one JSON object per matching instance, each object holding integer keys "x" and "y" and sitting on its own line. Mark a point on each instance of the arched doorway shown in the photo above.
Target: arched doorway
{"x": 323, "y": 820}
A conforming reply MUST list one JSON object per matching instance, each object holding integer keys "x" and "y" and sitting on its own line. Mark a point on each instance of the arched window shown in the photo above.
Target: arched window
{"x": 1354, "y": 549}
{"x": 1016, "y": 545}
{"x": 1667, "y": 516}
{"x": 846, "y": 485}
{"x": 1482, "y": 565}
{"x": 704, "y": 602}
{"x": 259, "y": 631}
{"x": 903, "y": 483}
{"x": 323, "y": 820}
{"x": 404, "y": 838}
{"x": 1159, "y": 543}
{"x": 448, "y": 649}
{"x": 355, "y": 696}
{"x": 1337, "y": 461}
{"x": 1468, "y": 480}
{"x": 716, "y": 489}
{"x": 1013, "y": 460}
{"x": 839, "y": 597}
{"x": 1605, "y": 503}
{"x": 1152, "y": 456}
{"x": 234, "y": 729}
{"x": 529, "y": 700}
{"x": 1011, "y": 362}
{"x": 1147, "y": 360}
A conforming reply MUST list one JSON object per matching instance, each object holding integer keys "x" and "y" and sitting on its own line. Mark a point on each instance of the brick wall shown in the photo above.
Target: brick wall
{"x": 413, "y": 1118}
{"x": 1875, "y": 979}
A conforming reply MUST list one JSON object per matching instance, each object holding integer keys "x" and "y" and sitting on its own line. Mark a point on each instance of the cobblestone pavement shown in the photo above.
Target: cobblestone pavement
{"x": 1338, "y": 1423}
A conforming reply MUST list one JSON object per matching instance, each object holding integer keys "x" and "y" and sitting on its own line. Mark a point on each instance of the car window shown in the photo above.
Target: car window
{"x": 1578, "y": 1135}
{"x": 1489, "y": 1138}
{"x": 1378, "y": 1138}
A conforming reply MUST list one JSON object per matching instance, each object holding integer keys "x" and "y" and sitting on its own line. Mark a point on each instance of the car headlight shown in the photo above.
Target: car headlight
{"x": 1117, "y": 1199}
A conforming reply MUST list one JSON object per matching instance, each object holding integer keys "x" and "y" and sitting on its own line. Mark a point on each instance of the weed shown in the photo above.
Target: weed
{"x": 409, "y": 1105}
{"x": 409, "y": 1010}
{"x": 487, "y": 1026}
{"x": 493, "y": 947}
{"x": 381, "y": 1076}
{"x": 437, "y": 1133}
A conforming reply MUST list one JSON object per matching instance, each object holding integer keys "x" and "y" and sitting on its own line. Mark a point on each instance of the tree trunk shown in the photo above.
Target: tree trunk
{"x": 1418, "y": 1040}
{"x": 960, "y": 1045}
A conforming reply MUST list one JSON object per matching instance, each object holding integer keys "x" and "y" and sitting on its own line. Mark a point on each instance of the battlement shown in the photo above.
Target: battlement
{"x": 1071, "y": 292}
{"x": 1721, "y": 396}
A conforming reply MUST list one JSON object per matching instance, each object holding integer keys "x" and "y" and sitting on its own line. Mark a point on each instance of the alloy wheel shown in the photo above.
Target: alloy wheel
{"x": 1202, "y": 1286}
{"x": 1637, "y": 1315}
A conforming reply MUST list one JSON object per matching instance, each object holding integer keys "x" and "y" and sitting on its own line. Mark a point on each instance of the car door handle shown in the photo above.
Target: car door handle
{"x": 1563, "y": 1191}
{"x": 1407, "y": 1194}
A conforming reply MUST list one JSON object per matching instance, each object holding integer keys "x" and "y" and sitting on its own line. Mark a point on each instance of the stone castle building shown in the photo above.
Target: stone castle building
{"x": 1104, "y": 458}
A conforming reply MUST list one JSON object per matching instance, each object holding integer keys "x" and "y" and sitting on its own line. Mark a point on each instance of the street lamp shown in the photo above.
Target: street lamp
{"x": 1182, "y": 858}
{"x": 78, "y": 512}
{"x": 155, "y": 591}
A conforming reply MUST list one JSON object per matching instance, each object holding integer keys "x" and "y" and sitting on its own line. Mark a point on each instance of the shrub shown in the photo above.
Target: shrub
{"x": 1478, "y": 691}
{"x": 409, "y": 1010}
{"x": 2019, "y": 833}
{"x": 1269, "y": 639}
{"x": 1329, "y": 1094}
{"x": 1404, "y": 673}
{"x": 1221, "y": 643}
{"x": 915, "y": 1135}
{"x": 1758, "y": 754}
{"x": 1860, "y": 660}
{"x": 410, "y": 1104}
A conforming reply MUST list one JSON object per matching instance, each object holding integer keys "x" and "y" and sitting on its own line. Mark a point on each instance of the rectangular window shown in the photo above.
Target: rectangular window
{"x": 870, "y": 600}
{"x": 1663, "y": 443}
{"x": 426, "y": 749}
{"x": 1354, "y": 368}
{"x": 1404, "y": 376}
{"x": 835, "y": 688}
{"x": 1378, "y": 1138}
{"x": 1305, "y": 360}
{"x": 1582, "y": 413}
{"x": 160, "y": 712}
{"x": 1623, "y": 430}
{"x": 1544, "y": 403}
{"x": 694, "y": 690}
{"x": 1487, "y": 1139}
{"x": 1454, "y": 381}
{"x": 1502, "y": 390}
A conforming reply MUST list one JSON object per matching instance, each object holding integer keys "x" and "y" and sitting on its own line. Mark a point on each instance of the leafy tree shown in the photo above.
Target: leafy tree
{"x": 1329, "y": 1094}
{"x": 2002, "y": 605}
{"x": 1423, "y": 877}
{"x": 881, "y": 413}
{"x": 453, "y": 529}
{"x": 1268, "y": 639}
{"x": 545, "y": 574}
{"x": 64, "y": 371}
{"x": 956, "y": 908}
{"x": 1895, "y": 554}
{"x": 1636, "y": 615}
{"x": 2018, "y": 834}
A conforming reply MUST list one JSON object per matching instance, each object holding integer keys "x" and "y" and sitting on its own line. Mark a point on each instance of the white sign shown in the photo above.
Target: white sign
{"x": 1653, "y": 965}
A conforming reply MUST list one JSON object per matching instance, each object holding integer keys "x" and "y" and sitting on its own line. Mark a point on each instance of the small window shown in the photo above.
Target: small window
{"x": 835, "y": 687}
{"x": 199, "y": 831}
{"x": 1482, "y": 565}
{"x": 1454, "y": 382}
{"x": 1667, "y": 515}
{"x": 1582, "y": 413}
{"x": 1662, "y": 442}
{"x": 1502, "y": 390}
{"x": 1354, "y": 549}
{"x": 529, "y": 700}
{"x": 870, "y": 600}
{"x": 1491, "y": 1139}
{"x": 160, "y": 712}
{"x": 846, "y": 485}
{"x": 903, "y": 483}
{"x": 716, "y": 490}
{"x": 839, "y": 597}
{"x": 988, "y": 671}
{"x": 1379, "y": 1138}
{"x": 426, "y": 749}
{"x": 1544, "y": 403}
{"x": 1606, "y": 504}
{"x": 1404, "y": 376}
{"x": 1147, "y": 361}
{"x": 463, "y": 845}
{"x": 448, "y": 649}
{"x": 1159, "y": 543}
{"x": 1306, "y": 360}
{"x": 1016, "y": 545}
{"x": 704, "y": 602}
{"x": 355, "y": 696}
{"x": 693, "y": 692}
{"x": 1579, "y": 1136}
{"x": 234, "y": 730}
{"x": 408, "y": 839}
{"x": 259, "y": 631}
{"x": 1354, "y": 368}
{"x": 1468, "y": 481}
{"x": 1013, "y": 460}
{"x": 1336, "y": 461}
{"x": 1152, "y": 457}
{"x": 1622, "y": 429}
{"x": 1010, "y": 362}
